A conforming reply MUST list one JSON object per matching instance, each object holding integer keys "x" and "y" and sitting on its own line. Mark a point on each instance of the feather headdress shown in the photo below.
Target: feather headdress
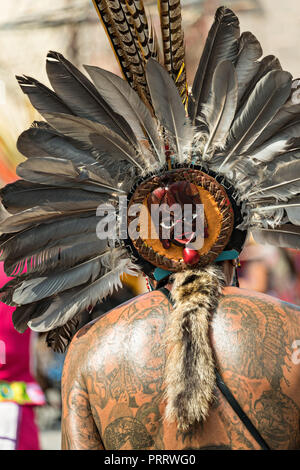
{"x": 231, "y": 144}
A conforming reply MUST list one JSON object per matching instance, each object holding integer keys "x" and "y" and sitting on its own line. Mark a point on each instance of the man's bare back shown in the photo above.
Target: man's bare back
{"x": 113, "y": 377}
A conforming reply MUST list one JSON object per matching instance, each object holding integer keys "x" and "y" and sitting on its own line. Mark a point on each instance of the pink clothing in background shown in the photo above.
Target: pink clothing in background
{"x": 17, "y": 346}
{"x": 14, "y": 369}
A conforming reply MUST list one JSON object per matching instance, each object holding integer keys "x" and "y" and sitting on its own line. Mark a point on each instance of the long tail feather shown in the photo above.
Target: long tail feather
{"x": 35, "y": 238}
{"x": 39, "y": 288}
{"x": 59, "y": 255}
{"x": 266, "y": 65}
{"x": 122, "y": 22}
{"x": 47, "y": 142}
{"x": 173, "y": 43}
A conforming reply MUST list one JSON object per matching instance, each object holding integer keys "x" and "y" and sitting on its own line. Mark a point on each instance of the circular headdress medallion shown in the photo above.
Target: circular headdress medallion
{"x": 181, "y": 218}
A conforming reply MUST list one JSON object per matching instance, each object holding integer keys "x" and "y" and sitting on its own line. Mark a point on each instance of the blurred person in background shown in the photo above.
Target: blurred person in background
{"x": 270, "y": 270}
{"x": 19, "y": 392}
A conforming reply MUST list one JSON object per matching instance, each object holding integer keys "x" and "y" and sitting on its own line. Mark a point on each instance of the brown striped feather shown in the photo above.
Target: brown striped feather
{"x": 173, "y": 43}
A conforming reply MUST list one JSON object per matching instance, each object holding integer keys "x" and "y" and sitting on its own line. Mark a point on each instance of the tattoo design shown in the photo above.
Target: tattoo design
{"x": 127, "y": 433}
{"x": 113, "y": 378}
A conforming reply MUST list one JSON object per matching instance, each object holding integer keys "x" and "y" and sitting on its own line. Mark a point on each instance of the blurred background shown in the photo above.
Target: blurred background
{"x": 28, "y": 29}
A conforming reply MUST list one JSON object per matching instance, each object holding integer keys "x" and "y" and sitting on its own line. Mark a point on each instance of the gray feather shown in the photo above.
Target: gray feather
{"x": 220, "y": 109}
{"x": 267, "y": 97}
{"x": 33, "y": 239}
{"x": 58, "y": 255}
{"x": 285, "y": 236}
{"x": 66, "y": 305}
{"x": 96, "y": 136}
{"x": 37, "y": 237}
{"x": 37, "y": 142}
{"x": 39, "y": 288}
{"x": 286, "y": 115}
{"x": 21, "y": 195}
{"x": 266, "y": 65}
{"x": 21, "y": 317}
{"x": 168, "y": 106}
{"x": 293, "y": 212}
{"x": 50, "y": 171}
{"x": 247, "y": 64}
{"x": 281, "y": 143}
{"x": 82, "y": 97}
{"x": 221, "y": 44}
{"x": 41, "y": 97}
{"x": 282, "y": 185}
{"x": 124, "y": 100}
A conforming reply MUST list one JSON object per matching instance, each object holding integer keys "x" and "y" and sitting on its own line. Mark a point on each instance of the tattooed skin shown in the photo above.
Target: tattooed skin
{"x": 113, "y": 390}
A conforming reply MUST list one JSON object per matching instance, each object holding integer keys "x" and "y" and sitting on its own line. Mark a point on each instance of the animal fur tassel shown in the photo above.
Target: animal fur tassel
{"x": 190, "y": 375}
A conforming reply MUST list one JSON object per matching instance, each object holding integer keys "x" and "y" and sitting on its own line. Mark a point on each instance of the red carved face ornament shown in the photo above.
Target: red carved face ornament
{"x": 182, "y": 231}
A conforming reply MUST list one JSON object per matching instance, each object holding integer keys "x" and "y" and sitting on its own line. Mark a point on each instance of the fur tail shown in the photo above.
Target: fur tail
{"x": 190, "y": 376}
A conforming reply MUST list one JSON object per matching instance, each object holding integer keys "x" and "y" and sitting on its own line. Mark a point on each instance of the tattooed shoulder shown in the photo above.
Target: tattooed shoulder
{"x": 122, "y": 361}
{"x": 253, "y": 336}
